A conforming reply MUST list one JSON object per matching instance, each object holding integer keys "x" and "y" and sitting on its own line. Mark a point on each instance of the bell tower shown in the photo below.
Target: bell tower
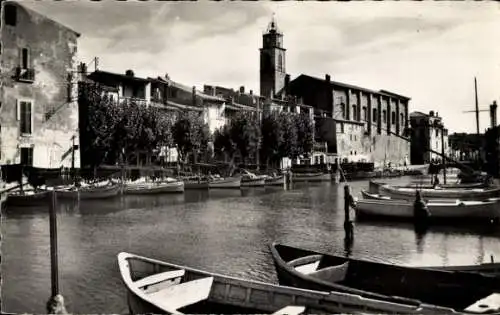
{"x": 272, "y": 61}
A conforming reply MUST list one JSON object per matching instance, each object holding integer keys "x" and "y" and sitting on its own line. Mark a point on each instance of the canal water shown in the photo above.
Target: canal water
{"x": 226, "y": 231}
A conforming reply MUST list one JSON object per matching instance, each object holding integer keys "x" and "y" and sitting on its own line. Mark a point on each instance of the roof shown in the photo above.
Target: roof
{"x": 187, "y": 89}
{"x": 174, "y": 105}
{"x": 350, "y": 86}
{"x": 39, "y": 14}
{"x": 115, "y": 76}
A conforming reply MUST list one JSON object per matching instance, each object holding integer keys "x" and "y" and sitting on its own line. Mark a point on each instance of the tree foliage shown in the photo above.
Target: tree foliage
{"x": 272, "y": 137}
{"x": 244, "y": 132}
{"x": 190, "y": 134}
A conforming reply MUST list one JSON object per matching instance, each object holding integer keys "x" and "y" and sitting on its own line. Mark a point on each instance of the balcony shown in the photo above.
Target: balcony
{"x": 25, "y": 75}
{"x": 134, "y": 100}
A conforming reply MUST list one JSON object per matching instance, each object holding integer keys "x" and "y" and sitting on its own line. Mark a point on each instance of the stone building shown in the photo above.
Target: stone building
{"x": 39, "y": 111}
{"x": 357, "y": 124}
{"x": 428, "y": 133}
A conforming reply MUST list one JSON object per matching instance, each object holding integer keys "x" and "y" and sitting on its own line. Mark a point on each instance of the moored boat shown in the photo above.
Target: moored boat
{"x": 195, "y": 182}
{"x": 226, "y": 183}
{"x": 438, "y": 209}
{"x": 462, "y": 194}
{"x": 463, "y": 291}
{"x": 367, "y": 195}
{"x": 153, "y": 188}
{"x": 27, "y": 198}
{"x": 275, "y": 180}
{"x": 253, "y": 181}
{"x": 89, "y": 192}
{"x": 159, "y": 287}
{"x": 311, "y": 177}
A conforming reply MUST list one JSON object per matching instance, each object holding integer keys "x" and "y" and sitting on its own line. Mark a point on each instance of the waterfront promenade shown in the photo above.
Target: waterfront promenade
{"x": 227, "y": 231}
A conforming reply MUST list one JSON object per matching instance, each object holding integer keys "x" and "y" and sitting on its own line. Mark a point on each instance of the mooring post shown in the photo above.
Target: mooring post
{"x": 348, "y": 201}
{"x": 55, "y": 305}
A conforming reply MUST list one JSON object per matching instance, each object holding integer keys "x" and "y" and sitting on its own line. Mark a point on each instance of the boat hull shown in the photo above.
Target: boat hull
{"x": 384, "y": 281}
{"x": 275, "y": 181}
{"x": 153, "y": 188}
{"x": 462, "y": 194}
{"x": 321, "y": 177}
{"x": 143, "y": 278}
{"x": 92, "y": 193}
{"x": 226, "y": 183}
{"x": 257, "y": 182}
{"x": 27, "y": 200}
{"x": 453, "y": 209}
{"x": 196, "y": 184}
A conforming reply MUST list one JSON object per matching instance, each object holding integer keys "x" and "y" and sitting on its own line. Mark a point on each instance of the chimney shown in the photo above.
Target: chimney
{"x": 493, "y": 114}
{"x": 194, "y": 95}
{"x": 327, "y": 78}
{"x": 251, "y": 92}
{"x": 242, "y": 90}
{"x": 287, "y": 84}
{"x": 129, "y": 73}
{"x": 431, "y": 113}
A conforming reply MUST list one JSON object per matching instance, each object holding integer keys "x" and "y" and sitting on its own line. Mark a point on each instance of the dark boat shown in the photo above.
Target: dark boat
{"x": 90, "y": 192}
{"x": 157, "y": 287}
{"x": 463, "y": 291}
{"x": 27, "y": 198}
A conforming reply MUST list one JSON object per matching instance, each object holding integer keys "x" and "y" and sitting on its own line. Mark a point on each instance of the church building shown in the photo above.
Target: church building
{"x": 358, "y": 124}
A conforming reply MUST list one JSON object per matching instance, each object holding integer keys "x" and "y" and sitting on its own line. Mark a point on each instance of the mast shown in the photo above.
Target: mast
{"x": 477, "y": 106}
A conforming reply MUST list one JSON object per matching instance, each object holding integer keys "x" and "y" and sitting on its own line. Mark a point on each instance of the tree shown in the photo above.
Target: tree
{"x": 305, "y": 133}
{"x": 223, "y": 143}
{"x": 272, "y": 137}
{"x": 289, "y": 146}
{"x": 190, "y": 134}
{"x": 245, "y": 133}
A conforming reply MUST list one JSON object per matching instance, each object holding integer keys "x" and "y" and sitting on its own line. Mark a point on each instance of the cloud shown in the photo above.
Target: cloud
{"x": 428, "y": 51}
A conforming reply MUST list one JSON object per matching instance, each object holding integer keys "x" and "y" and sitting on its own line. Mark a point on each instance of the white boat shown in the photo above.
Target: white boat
{"x": 429, "y": 193}
{"x": 248, "y": 180}
{"x": 148, "y": 188}
{"x": 157, "y": 287}
{"x": 451, "y": 209}
{"x": 311, "y": 177}
{"x": 226, "y": 183}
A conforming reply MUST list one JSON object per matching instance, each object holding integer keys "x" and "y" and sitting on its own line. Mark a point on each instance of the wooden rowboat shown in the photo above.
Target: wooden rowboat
{"x": 153, "y": 188}
{"x": 438, "y": 209}
{"x": 367, "y": 195}
{"x": 275, "y": 181}
{"x": 90, "y": 192}
{"x": 156, "y": 287}
{"x": 311, "y": 177}
{"x": 253, "y": 181}
{"x": 29, "y": 198}
{"x": 462, "y": 194}
{"x": 463, "y": 291}
{"x": 226, "y": 183}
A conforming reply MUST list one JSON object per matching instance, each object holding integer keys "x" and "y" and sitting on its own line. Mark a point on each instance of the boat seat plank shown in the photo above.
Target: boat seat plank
{"x": 305, "y": 260}
{"x": 159, "y": 277}
{"x": 332, "y": 273}
{"x": 489, "y": 304}
{"x": 308, "y": 268}
{"x": 290, "y": 310}
{"x": 183, "y": 294}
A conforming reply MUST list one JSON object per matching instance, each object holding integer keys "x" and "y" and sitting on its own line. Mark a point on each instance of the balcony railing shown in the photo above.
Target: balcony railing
{"x": 138, "y": 101}
{"x": 25, "y": 75}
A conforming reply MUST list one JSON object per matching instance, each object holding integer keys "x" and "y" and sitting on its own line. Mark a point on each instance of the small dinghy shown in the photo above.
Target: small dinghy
{"x": 256, "y": 181}
{"x": 228, "y": 182}
{"x": 156, "y": 287}
{"x": 104, "y": 191}
{"x": 438, "y": 209}
{"x": 462, "y": 194}
{"x": 151, "y": 188}
{"x": 465, "y": 292}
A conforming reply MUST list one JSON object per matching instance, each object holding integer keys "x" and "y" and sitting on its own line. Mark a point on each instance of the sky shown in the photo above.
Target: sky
{"x": 428, "y": 51}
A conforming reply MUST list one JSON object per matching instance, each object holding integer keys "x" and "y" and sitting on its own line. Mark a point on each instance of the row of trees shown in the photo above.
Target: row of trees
{"x": 113, "y": 133}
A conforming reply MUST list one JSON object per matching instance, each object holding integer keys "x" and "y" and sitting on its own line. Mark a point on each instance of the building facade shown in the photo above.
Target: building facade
{"x": 427, "y": 133}
{"x": 355, "y": 123}
{"x": 39, "y": 111}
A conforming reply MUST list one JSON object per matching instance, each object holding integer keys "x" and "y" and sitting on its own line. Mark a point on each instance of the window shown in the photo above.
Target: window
{"x": 10, "y": 15}
{"x": 342, "y": 108}
{"x": 280, "y": 63}
{"x": 437, "y": 132}
{"x": 25, "y": 58}
{"x": 384, "y": 116}
{"x": 365, "y": 116}
{"x": 25, "y": 117}
{"x": 27, "y": 156}
{"x": 402, "y": 119}
{"x": 393, "y": 118}
{"x": 354, "y": 116}
{"x": 374, "y": 118}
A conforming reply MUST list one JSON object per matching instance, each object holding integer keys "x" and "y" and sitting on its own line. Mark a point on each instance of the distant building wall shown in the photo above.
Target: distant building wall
{"x": 39, "y": 112}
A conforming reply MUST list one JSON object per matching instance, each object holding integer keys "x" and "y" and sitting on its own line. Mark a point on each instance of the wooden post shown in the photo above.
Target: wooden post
{"x": 443, "y": 155}
{"x": 52, "y": 199}
{"x": 347, "y": 203}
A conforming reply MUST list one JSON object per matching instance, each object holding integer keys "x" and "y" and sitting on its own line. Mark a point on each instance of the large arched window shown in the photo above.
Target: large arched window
{"x": 280, "y": 62}
{"x": 374, "y": 115}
